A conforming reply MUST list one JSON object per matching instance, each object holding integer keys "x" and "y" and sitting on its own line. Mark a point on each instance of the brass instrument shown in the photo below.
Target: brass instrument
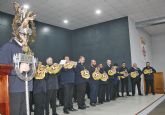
{"x": 70, "y": 65}
{"x": 134, "y": 74}
{"x": 125, "y": 74}
{"x": 104, "y": 77}
{"x": 96, "y": 74}
{"x": 111, "y": 72}
{"x": 54, "y": 69}
{"x": 41, "y": 71}
{"x": 85, "y": 74}
{"x": 147, "y": 71}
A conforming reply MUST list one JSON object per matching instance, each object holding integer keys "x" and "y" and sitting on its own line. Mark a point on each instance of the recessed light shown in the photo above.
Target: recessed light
{"x": 98, "y": 11}
{"x": 66, "y": 21}
{"x": 26, "y": 6}
{"x": 45, "y": 29}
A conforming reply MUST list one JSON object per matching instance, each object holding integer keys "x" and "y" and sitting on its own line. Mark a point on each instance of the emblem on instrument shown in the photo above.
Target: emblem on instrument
{"x": 147, "y": 71}
{"x": 41, "y": 71}
{"x": 111, "y": 72}
{"x": 96, "y": 75}
{"x": 134, "y": 74}
{"x": 85, "y": 74}
{"x": 104, "y": 77}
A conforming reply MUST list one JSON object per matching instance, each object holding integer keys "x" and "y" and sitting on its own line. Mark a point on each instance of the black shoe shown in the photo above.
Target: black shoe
{"x": 55, "y": 114}
{"x": 93, "y": 104}
{"x": 72, "y": 109}
{"x": 107, "y": 100}
{"x": 100, "y": 103}
{"x": 82, "y": 108}
{"x": 140, "y": 94}
{"x": 128, "y": 95}
{"x": 66, "y": 111}
{"x": 153, "y": 93}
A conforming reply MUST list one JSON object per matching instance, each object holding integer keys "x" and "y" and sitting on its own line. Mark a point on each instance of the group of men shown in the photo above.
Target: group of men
{"x": 68, "y": 83}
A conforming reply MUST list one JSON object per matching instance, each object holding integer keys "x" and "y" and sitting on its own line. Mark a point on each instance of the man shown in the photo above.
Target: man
{"x": 148, "y": 72}
{"x": 107, "y": 68}
{"x": 124, "y": 79}
{"x": 51, "y": 88}
{"x": 68, "y": 80}
{"x": 102, "y": 86}
{"x": 80, "y": 83}
{"x": 22, "y": 33}
{"x": 93, "y": 84}
{"x": 135, "y": 74}
{"x": 39, "y": 90}
{"x": 16, "y": 85}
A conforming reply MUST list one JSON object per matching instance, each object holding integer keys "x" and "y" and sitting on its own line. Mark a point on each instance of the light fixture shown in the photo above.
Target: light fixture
{"x": 26, "y": 6}
{"x": 66, "y": 21}
{"x": 98, "y": 12}
{"x": 45, "y": 29}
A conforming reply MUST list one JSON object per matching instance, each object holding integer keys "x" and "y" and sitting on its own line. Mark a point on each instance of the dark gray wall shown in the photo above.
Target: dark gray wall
{"x": 56, "y": 42}
{"x": 103, "y": 41}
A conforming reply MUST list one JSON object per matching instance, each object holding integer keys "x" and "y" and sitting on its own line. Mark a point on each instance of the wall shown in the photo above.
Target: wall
{"x": 158, "y": 52}
{"x": 52, "y": 41}
{"x": 103, "y": 41}
{"x": 136, "y": 48}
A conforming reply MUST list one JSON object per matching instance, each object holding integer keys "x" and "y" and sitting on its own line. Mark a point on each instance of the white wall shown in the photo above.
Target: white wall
{"x": 158, "y": 52}
{"x": 135, "y": 44}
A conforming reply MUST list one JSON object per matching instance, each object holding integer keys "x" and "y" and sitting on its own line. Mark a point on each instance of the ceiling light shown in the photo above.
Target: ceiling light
{"x": 45, "y": 29}
{"x": 98, "y": 11}
{"x": 66, "y": 21}
{"x": 26, "y": 6}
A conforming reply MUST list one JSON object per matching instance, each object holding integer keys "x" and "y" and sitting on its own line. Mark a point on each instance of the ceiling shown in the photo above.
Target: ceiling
{"x": 80, "y": 13}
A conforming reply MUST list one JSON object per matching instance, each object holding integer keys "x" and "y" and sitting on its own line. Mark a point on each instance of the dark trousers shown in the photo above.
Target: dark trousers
{"x": 81, "y": 89}
{"x": 117, "y": 87}
{"x": 102, "y": 92}
{"x": 75, "y": 93}
{"x": 115, "y": 93}
{"x": 61, "y": 95}
{"x": 149, "y": 83}
{"x": 88, "y": 90}
{"x": 51, "y": 96}
{"x": 111, "y": 88}
{"x": 124, "y": 84}
{"x": 68, "y": 95}
{"x": 39, "y": 103}
{"x": 17, "y": 103}
{"x": 108, "y": 90}
{"x": 93, "y": 92}
{"x": 136, "y": 82}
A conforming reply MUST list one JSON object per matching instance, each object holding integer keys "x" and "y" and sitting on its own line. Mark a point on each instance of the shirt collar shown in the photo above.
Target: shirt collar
{"x": 19, "y": 43}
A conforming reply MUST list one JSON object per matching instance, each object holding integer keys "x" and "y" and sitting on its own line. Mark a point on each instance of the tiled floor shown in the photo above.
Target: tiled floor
{"x": 122, "y": 106}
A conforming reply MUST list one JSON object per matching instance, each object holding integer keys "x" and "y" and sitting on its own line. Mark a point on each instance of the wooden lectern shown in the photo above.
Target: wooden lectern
{"x": 4, "y": 89}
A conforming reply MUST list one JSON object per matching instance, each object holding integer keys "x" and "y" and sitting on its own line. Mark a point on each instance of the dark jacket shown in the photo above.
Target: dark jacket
{"x": 107, "y": 68}
{"x": 67, "y": 76}
{"x": 78, "y": 77}
{"x": 51, "y": 81}
{"x": 121, "y": 69}
{"x": 6, "y": 57}
{"x": 102, "y": 70}
{"x": 91, "y": 80}
{"x": 149, "y": 76}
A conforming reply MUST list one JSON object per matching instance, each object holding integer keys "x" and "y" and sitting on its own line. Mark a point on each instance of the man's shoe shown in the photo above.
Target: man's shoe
{"x": 72, "y": 109}
{"x": 66, "y": 111}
